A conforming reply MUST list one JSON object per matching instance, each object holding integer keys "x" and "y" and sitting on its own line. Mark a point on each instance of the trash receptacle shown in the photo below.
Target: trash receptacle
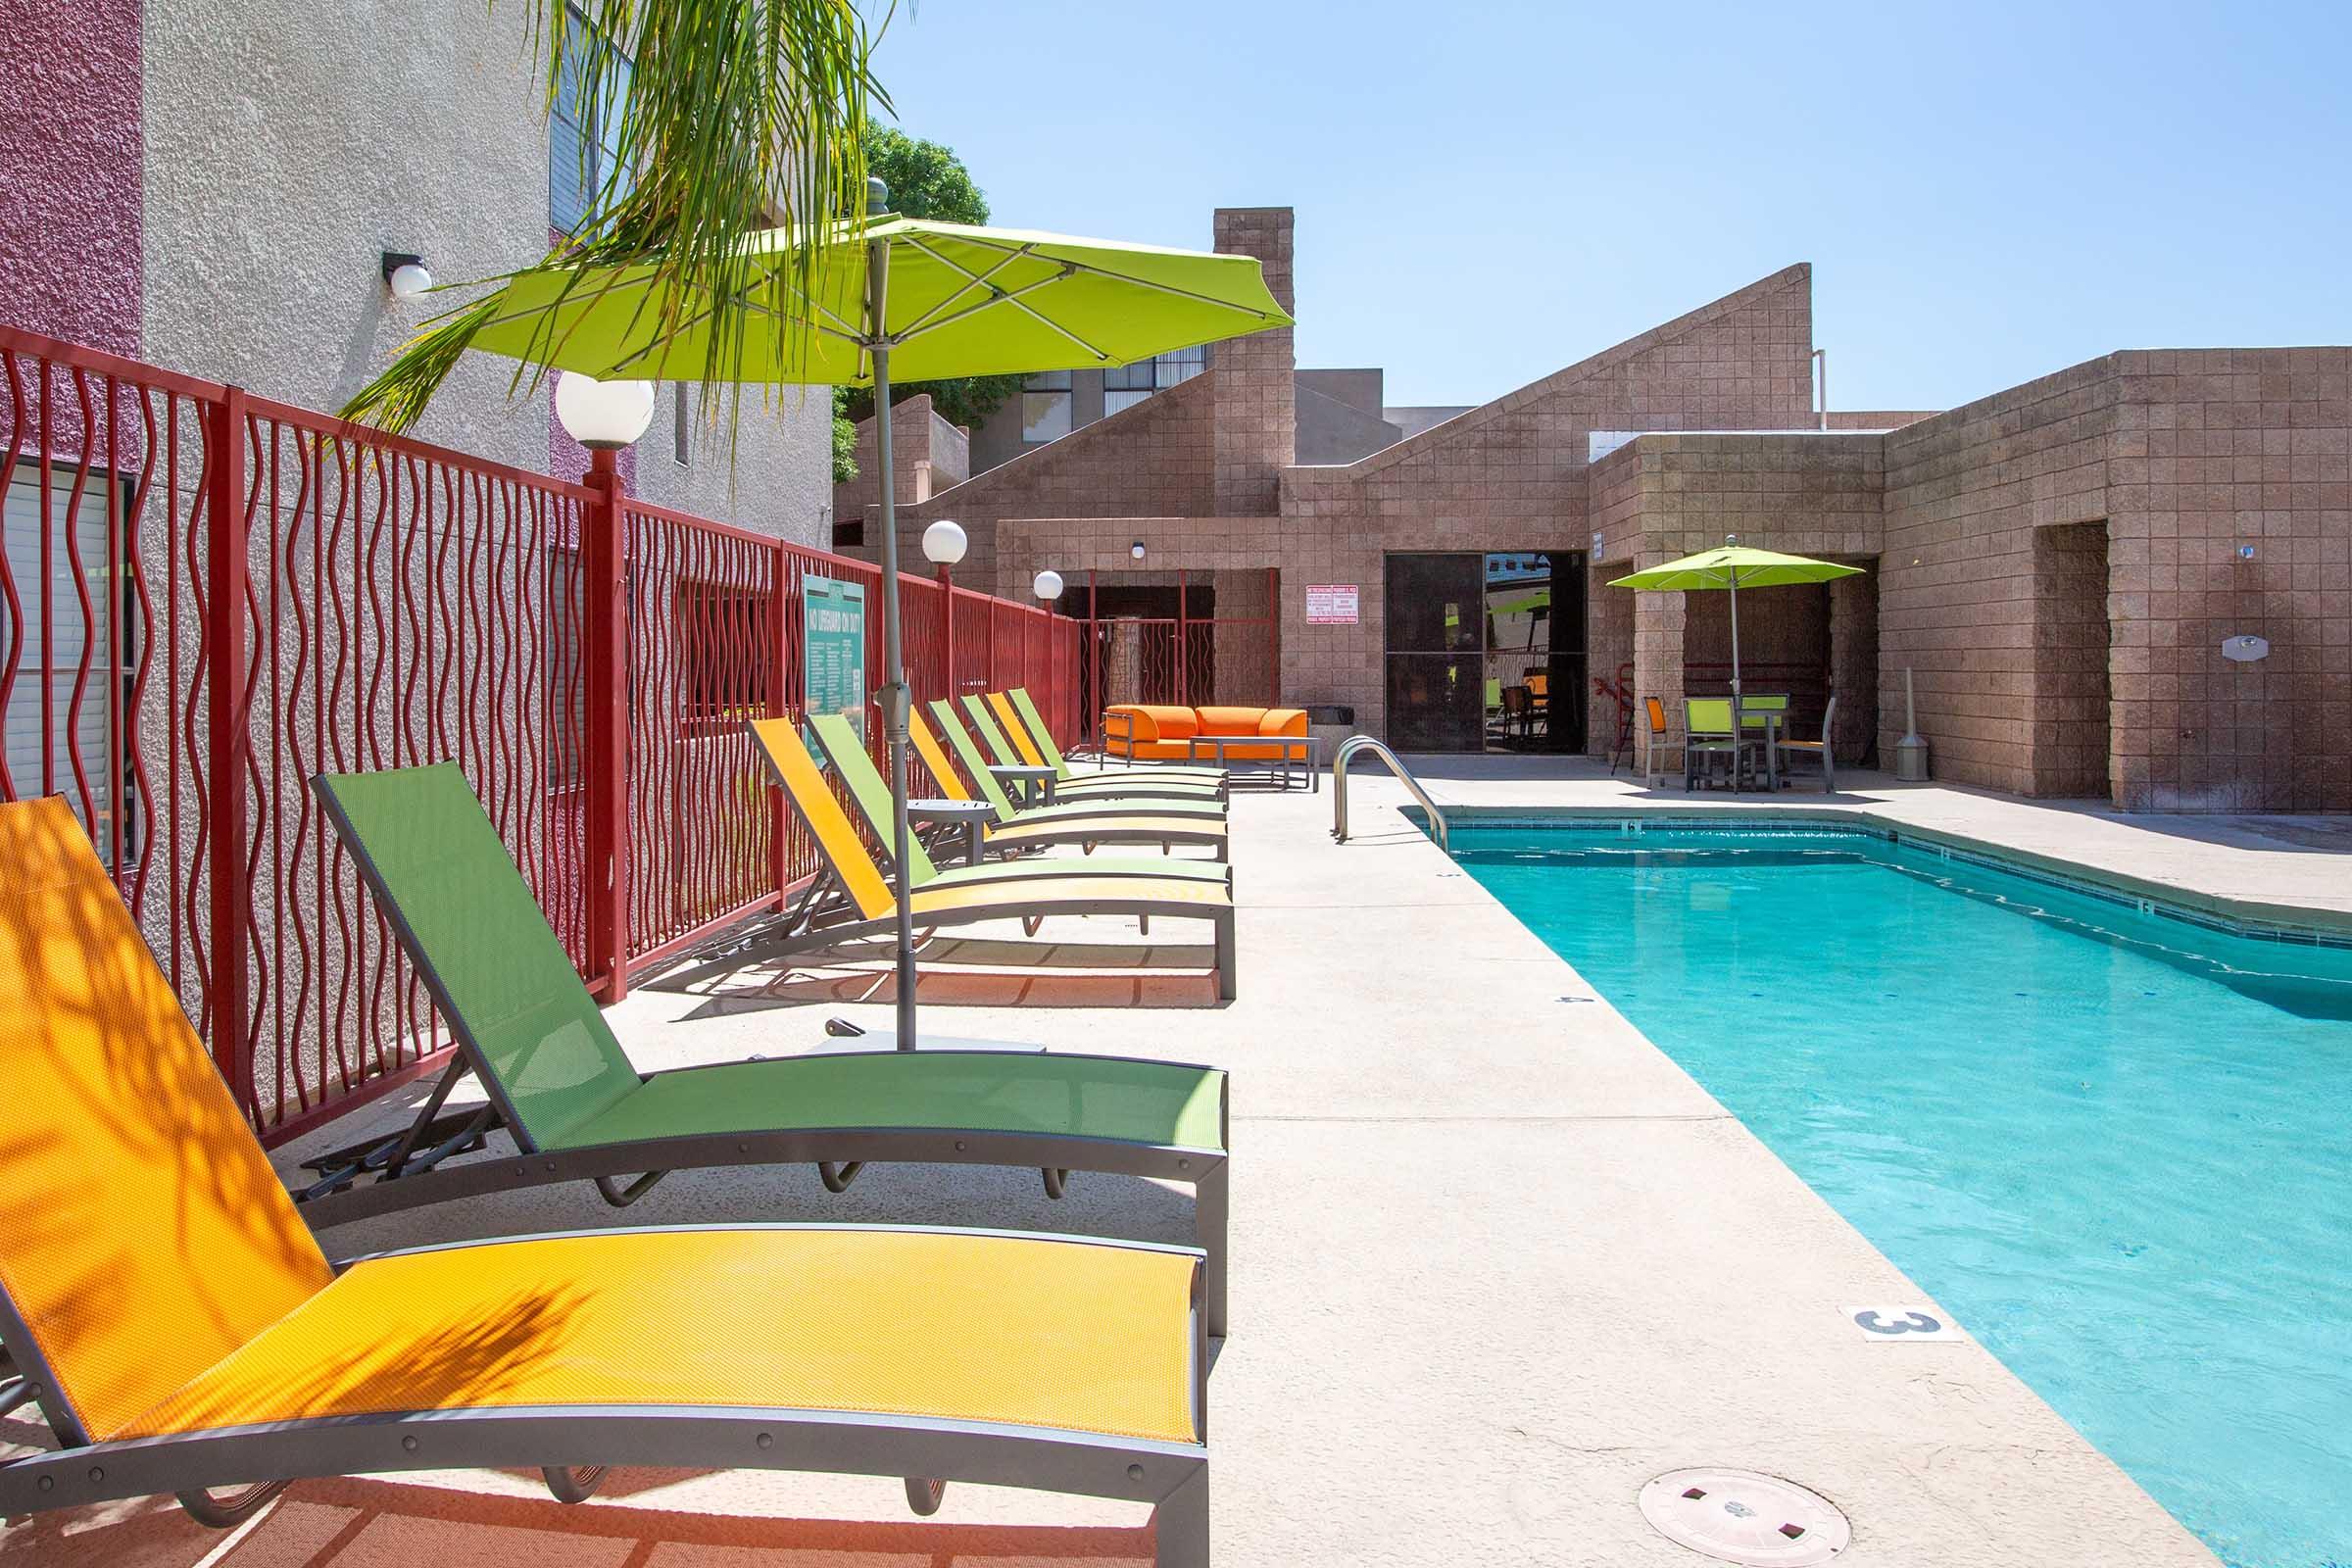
{"x": 1330, "y": 723}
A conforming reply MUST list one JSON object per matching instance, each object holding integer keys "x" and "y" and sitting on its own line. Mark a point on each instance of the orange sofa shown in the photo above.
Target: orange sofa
{"x": 1154, "y": 732}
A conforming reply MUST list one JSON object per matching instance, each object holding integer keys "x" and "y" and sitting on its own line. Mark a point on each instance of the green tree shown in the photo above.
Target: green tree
{"x": 731, "y": 115}
{"x": 845, "y": 438}
{"x": 928, "y": 181}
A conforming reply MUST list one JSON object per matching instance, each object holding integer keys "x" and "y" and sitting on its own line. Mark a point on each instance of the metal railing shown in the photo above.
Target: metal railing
{"x": 207, "y": 597}
{"x": 1338, "y": 787}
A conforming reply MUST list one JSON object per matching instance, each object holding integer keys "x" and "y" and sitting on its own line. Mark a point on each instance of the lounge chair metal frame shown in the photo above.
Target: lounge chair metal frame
{"x": 409, "y": 1170}
{"x": 1175, "y": 781}
{"x": 571, "y": 1445}
{"x": 770, "y": 939}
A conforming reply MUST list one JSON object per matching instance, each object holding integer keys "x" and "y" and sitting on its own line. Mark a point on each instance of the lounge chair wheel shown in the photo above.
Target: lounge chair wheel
{"x": 837, "y": 1178}
{"x": 215, "y": 1513}
{"x": 924, "y": 1496}
{"x": 1057, "y": 1182}
{"x": 567, "y": 1484}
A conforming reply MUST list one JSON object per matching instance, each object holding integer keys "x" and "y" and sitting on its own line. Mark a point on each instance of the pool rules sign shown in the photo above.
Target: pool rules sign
{"x": 1331, "y": 604}
{"x": 833, "y": 645}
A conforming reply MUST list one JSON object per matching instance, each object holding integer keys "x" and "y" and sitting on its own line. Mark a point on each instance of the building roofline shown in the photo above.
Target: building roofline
{"x": 1657, "y": 336}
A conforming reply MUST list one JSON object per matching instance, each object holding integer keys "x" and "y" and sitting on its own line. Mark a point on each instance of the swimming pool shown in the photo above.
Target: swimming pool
{"x": 2117, "y": 1146}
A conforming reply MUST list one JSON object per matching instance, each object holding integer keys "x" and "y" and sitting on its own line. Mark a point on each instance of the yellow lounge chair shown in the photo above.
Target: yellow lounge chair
{"x": 165, "y": 1307}
{"x": 872, "y": 911}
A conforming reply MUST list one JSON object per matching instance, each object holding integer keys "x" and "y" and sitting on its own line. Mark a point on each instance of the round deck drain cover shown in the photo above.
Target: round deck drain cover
{"x": 1741, "y": 1516}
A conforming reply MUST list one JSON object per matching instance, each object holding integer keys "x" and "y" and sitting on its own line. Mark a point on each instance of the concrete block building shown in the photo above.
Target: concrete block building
{"x": 2129, "y": 580}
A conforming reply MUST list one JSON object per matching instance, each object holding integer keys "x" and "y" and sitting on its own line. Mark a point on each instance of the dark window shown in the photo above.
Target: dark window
{"x": 584, "y": 138}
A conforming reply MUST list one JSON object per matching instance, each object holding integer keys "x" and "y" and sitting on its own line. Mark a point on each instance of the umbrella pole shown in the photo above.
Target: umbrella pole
{"x": 1739, "y": 719}
{"x": 896, "y": 698}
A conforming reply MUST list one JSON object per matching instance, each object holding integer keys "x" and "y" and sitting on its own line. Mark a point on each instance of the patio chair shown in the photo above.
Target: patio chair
{"x": 182, "y": 1332}
{"x": 1659, "y": 739}
{"x": 559, "y": 1083}
{"x": 1020, "y": 712}
{"x": 1819, "y": 750}
{"x": 1158, "y": 782}
{"x": 869, "y": 793}
{"x": 1709, "y": 733}
{"x": 1096, "y": 790}
{"x": 1199, "y": 809}
{"x": 1032, "y": 899}
{"x": 1763, "y": 716}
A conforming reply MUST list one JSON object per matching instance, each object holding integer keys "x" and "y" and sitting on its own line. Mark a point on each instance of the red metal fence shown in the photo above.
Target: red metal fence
{"x": 1185, "y": 659}
{"x": 207, "y": 597}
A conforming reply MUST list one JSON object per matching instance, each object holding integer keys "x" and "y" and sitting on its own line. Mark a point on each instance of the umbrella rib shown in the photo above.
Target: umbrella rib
{"x": 1011, "y": 297}
{"x": 974, "y": 280}
{"x": 1129, "y": 277}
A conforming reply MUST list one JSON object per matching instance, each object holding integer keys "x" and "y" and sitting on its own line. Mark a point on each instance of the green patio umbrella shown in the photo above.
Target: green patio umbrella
{"x": 1734, "y": 567}
{"x": 905, "y": 295}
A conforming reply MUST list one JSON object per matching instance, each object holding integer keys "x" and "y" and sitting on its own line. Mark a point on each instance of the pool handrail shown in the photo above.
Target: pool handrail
{"x": 1339, "y": 786}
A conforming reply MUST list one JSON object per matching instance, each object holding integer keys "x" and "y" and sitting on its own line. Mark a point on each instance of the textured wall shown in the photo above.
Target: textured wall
{"x": 71, "y": 154}
{"x": 1511, "y": 475}
{"x": 919, "y": 440}
{"x": 279, "y": 171}
{"x": 1254, "y": 432}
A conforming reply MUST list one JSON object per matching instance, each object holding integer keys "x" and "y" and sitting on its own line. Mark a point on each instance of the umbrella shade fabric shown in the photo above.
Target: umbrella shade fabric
{"x": 1734, "y": 567}
{"x": 959, "y": 300}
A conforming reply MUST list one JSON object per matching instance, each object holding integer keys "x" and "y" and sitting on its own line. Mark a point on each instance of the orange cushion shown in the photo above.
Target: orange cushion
{"x": 1229, "y": 720}
{"x": 1159, "y": 722}
{"x": 1283, "y": 722}
{"x": 1162, "y": 751}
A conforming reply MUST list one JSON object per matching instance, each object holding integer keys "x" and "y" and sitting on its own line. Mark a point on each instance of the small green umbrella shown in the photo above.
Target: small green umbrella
{"x": 1734, "y": 567}
{"x": 926, "y": 301}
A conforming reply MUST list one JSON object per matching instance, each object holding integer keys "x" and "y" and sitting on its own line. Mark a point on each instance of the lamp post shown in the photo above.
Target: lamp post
{"x": 944, "y": 544}
{"x": 605, "y": 416}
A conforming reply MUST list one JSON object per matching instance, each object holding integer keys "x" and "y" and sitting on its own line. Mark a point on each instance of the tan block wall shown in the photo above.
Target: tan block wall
{"x": 1255, "y": 420}
{"x": 1670, "y": 495}
{"x": 1513, "y": 474}
{"x": 927, "y": 455}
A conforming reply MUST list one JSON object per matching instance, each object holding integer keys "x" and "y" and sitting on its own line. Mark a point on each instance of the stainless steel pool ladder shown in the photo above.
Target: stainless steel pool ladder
{"x": 1339, "y": 786}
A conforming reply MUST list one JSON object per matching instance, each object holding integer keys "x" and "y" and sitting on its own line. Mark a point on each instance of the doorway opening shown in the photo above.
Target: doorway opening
{"x": 1486, "y": 651}
{"x": 2072, "y": 716}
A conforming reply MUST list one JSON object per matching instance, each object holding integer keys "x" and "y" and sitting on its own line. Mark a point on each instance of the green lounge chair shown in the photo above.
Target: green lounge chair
{"x": 182, "y": 1332}
{"x": 1012, "y": 821}
{"x": 871, "y": 911}
{"x": 562, "y": 1087}
{"x": 1156, "y": 782}
{"x": 1019, "y": 715}
{"x": 1083, "y": 803}
{"x": 869, "y": 793}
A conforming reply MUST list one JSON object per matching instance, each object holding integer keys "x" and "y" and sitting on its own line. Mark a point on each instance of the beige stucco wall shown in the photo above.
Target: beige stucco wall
{"x": 290, "y": 142}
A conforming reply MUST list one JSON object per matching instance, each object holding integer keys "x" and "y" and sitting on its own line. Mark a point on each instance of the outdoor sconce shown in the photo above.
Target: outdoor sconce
{"x": 944, "y": 542}
{"x": 2246, "y": 552}
{"x": 406, "y": 276}
{"x": 1136, "y": 550}
{"x": 1047, "y": 586}
{"x": 603, "y": 416}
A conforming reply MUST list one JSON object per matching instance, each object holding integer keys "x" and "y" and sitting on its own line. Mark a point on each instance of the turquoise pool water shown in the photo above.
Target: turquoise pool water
{"x": 2117, "y": 1146}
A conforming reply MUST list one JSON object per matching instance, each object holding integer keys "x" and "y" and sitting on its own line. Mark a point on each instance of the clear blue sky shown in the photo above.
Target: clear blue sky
{"x": 1986, "y": 193}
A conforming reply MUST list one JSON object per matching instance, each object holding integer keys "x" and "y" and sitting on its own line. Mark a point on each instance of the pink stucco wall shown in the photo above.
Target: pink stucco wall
{"x": 70, "y": 142}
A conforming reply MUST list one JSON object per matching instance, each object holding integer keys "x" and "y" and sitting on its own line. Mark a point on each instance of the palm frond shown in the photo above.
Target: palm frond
{"x": 733, "y": 115}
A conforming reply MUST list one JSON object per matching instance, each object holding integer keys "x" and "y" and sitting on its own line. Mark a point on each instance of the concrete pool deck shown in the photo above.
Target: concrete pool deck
{"x": 1497, "y": 1261}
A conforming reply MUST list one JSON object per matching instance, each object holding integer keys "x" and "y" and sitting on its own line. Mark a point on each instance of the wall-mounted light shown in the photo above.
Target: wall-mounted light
{"x": 406, "y": 276}
{"x": 2246, "y": 552}
{"x": 1047, "y": 586}
{"x": 603, "y": 416}
{"x": 944, "y": 542}
{"x": 1136, "y": 550}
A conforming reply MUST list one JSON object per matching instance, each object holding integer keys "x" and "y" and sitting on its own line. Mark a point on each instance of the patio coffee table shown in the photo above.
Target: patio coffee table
{"x": 1302, "y": 747}
{"x": 974, "y": 816}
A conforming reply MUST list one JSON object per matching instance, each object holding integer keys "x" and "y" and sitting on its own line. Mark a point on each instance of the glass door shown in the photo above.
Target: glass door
{"x": 1435, "y": 634}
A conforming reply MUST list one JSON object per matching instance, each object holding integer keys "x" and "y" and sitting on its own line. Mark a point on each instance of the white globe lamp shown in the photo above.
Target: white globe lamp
{"x": 944, "y": 542}
{"x": 603, "y": 416}
{"x": 1047, "y": 586}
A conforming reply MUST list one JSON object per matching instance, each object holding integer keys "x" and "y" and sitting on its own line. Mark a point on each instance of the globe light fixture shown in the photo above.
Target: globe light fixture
{"x": 1136, "y": 550}
{"x": 944, "y": 542}
{"x": 603, "y": 416}
{"x": 406, "y": 276}
{"x": 1047, "y": 586}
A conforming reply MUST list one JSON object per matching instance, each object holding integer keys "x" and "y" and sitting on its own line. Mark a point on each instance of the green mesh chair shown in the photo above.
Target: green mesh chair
{"x": 561, "y": 1087}
{"x": 869, "y": 793}
{"x": 1158, "y": 782}
{"x": 1079, "y": 794}
{"x": 1708, "y": 734}
{"x": 1023, "y": 710}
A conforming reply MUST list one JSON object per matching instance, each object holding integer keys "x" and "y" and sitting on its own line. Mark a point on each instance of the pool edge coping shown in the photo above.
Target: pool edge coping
{"x": 2257, "y": 919}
